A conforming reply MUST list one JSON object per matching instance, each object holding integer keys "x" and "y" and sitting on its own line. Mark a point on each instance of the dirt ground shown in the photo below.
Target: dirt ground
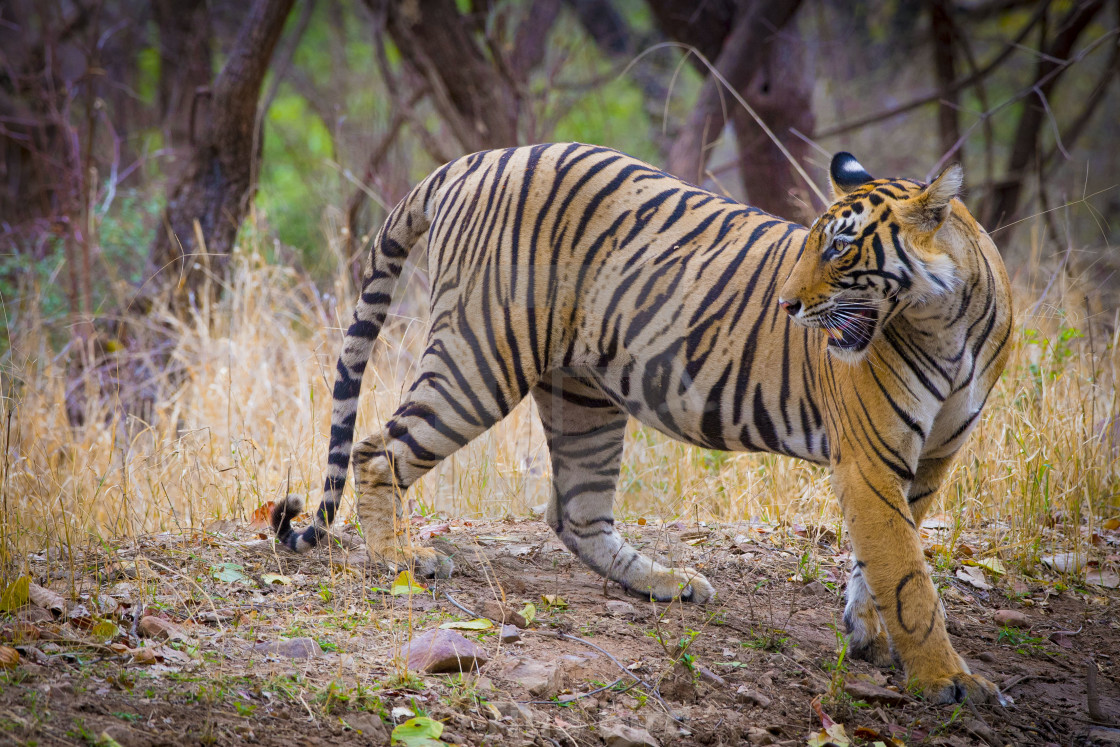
{"x": 211, "y": 637}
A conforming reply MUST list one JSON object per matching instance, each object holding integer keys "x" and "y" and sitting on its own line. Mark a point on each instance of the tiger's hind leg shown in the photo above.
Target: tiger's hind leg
{"x": 585, "y": 435}
{"x": 443, "y": 410}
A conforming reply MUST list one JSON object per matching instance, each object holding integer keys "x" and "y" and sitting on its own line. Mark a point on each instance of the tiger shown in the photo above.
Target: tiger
{"x": 607, "y": 288}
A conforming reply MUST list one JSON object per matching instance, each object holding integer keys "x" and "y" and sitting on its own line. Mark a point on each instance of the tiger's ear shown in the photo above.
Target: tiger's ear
{"x": 846, "y": 174}
{"x": 928, "y": 210}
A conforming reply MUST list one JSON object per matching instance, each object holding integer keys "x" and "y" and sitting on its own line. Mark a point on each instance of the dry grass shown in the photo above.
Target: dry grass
{"x": 248, "y": 420}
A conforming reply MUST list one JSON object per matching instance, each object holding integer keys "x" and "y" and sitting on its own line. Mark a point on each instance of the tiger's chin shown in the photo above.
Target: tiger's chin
{"x": 850, "y": 336}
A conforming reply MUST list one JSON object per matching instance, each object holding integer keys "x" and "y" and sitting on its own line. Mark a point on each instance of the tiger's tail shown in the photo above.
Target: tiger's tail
{"x": 404, "y": 226}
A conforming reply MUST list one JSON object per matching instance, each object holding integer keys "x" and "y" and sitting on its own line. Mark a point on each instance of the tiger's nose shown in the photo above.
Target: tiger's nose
{"x": 791, "y": 307}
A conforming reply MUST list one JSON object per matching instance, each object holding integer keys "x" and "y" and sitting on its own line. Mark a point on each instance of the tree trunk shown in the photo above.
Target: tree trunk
{"x": 214, "y": 189}
{"x": 473, "y": 95}
{"x": 1024, "y": 147}
{"x": 743, "y": 41}
{"x": 781, "y": 93}
{"x": 185, "y": 68}
{"x": 943, "y": 37}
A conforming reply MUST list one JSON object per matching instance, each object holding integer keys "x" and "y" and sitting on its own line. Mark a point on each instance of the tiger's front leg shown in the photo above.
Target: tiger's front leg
{"x": 893, "y": 569}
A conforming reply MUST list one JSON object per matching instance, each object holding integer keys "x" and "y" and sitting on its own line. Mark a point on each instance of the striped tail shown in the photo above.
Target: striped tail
{"x": 405, "y": 225}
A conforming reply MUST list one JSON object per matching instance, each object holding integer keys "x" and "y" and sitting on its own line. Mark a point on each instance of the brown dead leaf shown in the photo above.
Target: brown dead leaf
{"x": 161, "y": 630}
{"x": 261, "y": 516}
{"x": 1111, "y": 524}
{"x": 48, "y": 600}
{"x": 9, "y": 657}
{"x": 143, "y": 656}
{"x": 81, "y": 618}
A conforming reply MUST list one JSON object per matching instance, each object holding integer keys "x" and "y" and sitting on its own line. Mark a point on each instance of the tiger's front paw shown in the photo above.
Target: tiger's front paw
{"x": 423, "y": 562}
{"x": 956, "y": 687}
{"x": 667, "y": 584}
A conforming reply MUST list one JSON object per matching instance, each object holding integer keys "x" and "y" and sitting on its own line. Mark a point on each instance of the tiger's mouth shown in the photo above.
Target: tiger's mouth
{"x": 852, "y": 329}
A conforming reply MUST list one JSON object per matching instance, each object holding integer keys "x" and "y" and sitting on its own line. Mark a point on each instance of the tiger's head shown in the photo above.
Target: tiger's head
{"x": 878, "y": 250}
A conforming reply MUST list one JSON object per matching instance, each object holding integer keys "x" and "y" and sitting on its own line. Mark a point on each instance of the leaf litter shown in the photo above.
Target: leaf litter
{"x": 189, "y": 629}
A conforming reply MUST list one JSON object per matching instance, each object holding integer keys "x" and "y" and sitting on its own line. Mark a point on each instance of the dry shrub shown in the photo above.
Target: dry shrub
{"x": 244, "y": 419}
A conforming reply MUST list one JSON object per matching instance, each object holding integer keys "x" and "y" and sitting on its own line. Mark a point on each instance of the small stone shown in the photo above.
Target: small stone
{"x": 745, "y": 695}
{"x": 815, "y": 588}
{"x": 510, "y": 634}
{"x": 987, "y": 657}
{"x": 515, "y": 711}
{"x": 293, "y": 648}
{"x": 1104, "y": 736}
{"x": 442, "y": 651}
{"x": 1011, "y": 618}
{"x": 861, "y": 690}
{"x": 618, "y": 608}
{"x": 500, "y": 613}
{"x": 1065, "y": 562}
{"x": 757, "y": 736}
{"x": 159, "y": 629}
{"x": 621, "y": 735}
{"x": 711, "y": 677}
{"x": 540, "y": 679}
{"x": 368, "y": 725}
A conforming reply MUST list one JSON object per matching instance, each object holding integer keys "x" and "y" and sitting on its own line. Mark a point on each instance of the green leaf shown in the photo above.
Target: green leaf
{"x": 17, "y": 595}
{"x": 417, "y": 732}
{"x": 230, "y": 573}
{"x": 479, "y": 624}
{"x": 995, "y": 565}
{"x": 529, "y": 612}
{"x": 404, "y": 583}
{"x": 554, "y": 601}
{"x": 105, "y": 630}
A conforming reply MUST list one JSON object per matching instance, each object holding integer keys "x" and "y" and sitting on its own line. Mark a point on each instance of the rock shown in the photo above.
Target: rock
{"x": 711, "y": 677}
{"x": 815, "y": 588}
{"x": 745, "y": 695}
{"x": 1104, "y": 736}
{"x": 1011, "y": 618}
{"x": 539, "y": 678}
{"x": 621, "y": 735}
{"x": 500, "y": 613}
{"x": 441, "y": 651}
{"x": 987, "y": 657}
{"x": 1065, "y": 562}
{"x": 293, "y": 648}
{"x": 872, "y": 693}
{"x": 757, "y": 736}
{"x": 982, "y": 731}
{"x": 369, "y": 726}
{"x": 618, "y": 608}
{"x": 161, "y": 630}
{"x": 514, "y": 710}
{"x": 510, "y": 634}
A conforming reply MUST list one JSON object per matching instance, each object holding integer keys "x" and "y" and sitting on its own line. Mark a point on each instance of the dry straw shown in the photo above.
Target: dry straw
{"x": 237, "y": 414}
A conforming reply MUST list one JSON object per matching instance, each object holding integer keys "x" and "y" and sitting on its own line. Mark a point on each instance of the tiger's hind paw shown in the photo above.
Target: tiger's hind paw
{"x": 673, "y": 583}
{"x": 957, "y": 687}
{"x": 423, "y": 562}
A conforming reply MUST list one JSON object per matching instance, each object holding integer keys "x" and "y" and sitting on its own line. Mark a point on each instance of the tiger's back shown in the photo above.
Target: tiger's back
{"x": 663, "y": 292}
